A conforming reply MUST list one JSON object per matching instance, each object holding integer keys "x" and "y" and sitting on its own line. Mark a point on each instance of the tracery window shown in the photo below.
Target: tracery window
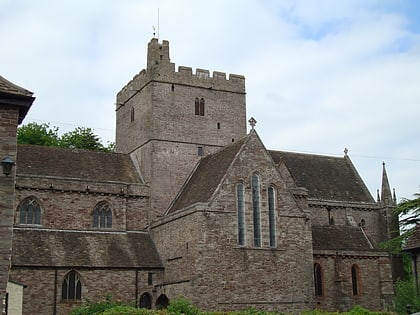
{"x": 240, "y": 204}
{"x": 72, "y": 287}
{"x": 355, "y": 280}
{"x": 102, "y": 215}
{"x": 272, "y": 215}
{"x": 255, "y": 185}
{"x": 30, "y": 211}
{"x": 199, "y": 106}
{"x": 318, "y": 280}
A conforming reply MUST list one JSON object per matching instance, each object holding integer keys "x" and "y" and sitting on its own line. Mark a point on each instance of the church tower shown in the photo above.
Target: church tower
{"x": 167, "y": 120}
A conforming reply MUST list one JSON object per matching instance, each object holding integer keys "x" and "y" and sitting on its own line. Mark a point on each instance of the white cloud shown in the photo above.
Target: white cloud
{"x": 321, "y": 75}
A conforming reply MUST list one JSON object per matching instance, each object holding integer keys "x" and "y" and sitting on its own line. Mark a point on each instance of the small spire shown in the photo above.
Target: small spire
{"x": 394, "y": 196}
{"x": 386, "y": 190}
{"x": 378, "y": 198}
{"x": 252, "y": 122}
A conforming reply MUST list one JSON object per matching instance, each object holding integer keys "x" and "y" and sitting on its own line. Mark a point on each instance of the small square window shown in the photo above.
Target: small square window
{"x": 200, "y": 151}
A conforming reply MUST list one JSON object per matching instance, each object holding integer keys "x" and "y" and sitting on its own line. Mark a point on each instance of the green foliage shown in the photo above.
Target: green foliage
{"x": 82, "y": 138}
{"x": 127, "y": 310}
{"x": 182, "y": 306}
{"x": 43, "y": 134}
{"x": 405, "y": 294}
{"x": 40, "y": 134}
{"x": 96, "y": 308}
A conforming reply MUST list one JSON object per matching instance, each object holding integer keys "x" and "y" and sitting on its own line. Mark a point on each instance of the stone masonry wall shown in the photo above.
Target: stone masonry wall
{"x": 43, "y": 292}
{"x": 375, "y": 284}
{"x": 226, "y": 276}
{"x": 366, "y": 216}
{"x": 61, "y": 204}
{"x": 8, "y": 126}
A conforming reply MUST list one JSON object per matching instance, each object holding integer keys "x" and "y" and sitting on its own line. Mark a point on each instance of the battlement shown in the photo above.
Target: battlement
{"x": 160, "y": 69}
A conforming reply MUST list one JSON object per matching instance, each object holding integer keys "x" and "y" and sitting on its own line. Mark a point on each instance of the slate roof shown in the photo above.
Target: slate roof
{"x": 325, "y": 177}
{"x": 206, "y": 177}
{"x": 413, "y": 242}
{"x": 332, "y": 237}
{"x": 60, "y": 248}
{"x": 12, "y": 94}
{"x": 11, "y": 88}
{"x": 75, "y": 163}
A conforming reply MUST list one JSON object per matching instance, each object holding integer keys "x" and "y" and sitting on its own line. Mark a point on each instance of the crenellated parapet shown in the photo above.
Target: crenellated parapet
{"x": 160, "y": 69}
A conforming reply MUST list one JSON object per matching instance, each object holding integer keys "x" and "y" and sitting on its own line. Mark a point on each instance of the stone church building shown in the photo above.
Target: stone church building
{"x": 189, "y": 205}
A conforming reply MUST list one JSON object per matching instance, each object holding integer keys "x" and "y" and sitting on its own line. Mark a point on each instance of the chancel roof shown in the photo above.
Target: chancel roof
{"x": 325, "y": 177}
{"x": 64, "y": 248}
{"x": 332, "y": 237}
{"x": 75, "y": 163}
{"x": 206, "y": 177}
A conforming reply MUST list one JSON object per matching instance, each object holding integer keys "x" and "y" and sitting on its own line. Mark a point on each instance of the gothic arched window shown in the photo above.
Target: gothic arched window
{"x": 319, "y": 291}
{"x": 202, "y": 107}
{"x": 30, "y": 211}
{"x": 197, "y": 106}
{"x": 272, "y": 215}
{"x": 355, "y": 280}
{"x": 71, "y": 288}
{"x": 240, "y": 204}
{"x": 255, "y": 185}
{"x": 102, "y": 215}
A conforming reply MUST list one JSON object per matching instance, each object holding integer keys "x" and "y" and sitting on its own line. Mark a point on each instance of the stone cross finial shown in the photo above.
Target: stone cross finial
{"x": 252, "y": 122}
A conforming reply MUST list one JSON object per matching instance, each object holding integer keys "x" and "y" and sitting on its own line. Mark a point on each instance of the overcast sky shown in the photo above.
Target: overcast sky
{"x": 321, "y": 76}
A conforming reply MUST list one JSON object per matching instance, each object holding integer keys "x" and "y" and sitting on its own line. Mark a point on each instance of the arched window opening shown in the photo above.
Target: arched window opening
{"x": 202, "y": 107}
{"x": 30, "y": 211}
{"x": 72, "y": 287}
{"x": 272, "y": 216}
{"x": 240, "y": 203}
{"x": 318, "y": 280}
{"x": 132, "y": 114}
{"x": 355, "y": 280}
{"x": 255, "y": 184}
{"x": 197, "y": 106}
{"x": 145, "y": 301}
{"x": 162, "y": 301}
{"x": 102, "y": 215}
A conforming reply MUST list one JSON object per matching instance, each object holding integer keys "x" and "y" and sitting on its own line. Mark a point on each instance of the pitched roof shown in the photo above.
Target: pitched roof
{"x": 61, "y": 248}
{"x": 332, "y": 237}
{"x": 75, "y": 163}
{"x": 325, "y": 177}
{"x": 206, "y": 177}
{"x": 12, "y": 94}
{"x": 10, "y": 88}
{"x": 413, "y": 242}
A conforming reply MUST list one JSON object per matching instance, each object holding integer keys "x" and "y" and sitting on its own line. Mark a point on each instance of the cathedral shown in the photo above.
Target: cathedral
{"x": 189, "y": 205}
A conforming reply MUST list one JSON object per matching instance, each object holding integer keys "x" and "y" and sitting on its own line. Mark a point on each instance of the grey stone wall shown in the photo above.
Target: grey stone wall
{"x": 375, "y": 286}
{"x": 64, "y": 200}
{"x": 42, "y": 295}
{"x": 224, "y": 275}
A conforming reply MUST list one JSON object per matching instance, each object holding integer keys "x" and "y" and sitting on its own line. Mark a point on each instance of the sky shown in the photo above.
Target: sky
{"x": 321, "y": 76}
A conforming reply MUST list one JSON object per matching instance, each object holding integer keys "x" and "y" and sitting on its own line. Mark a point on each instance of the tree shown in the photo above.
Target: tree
{"x": 40, "y": 134}
{"x": 82, "y": 138}
{"x": 43, "y": 134}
